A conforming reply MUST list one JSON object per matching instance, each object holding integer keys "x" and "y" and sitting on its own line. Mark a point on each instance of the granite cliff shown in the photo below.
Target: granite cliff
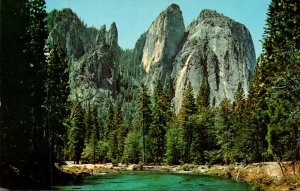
{"x": 92, "y": 55}
{"x": 161, "y": 45}
{"x": 219, "y": 50}
{"x": 213, "y": 47}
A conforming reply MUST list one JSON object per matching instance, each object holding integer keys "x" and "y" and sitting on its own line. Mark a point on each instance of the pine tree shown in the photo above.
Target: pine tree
{"x": 175, "y": 145}
{"x": 188, "y": 108}
{"x": 257, "y": 103}
{"x": 88, "y": 122}
{"x": 121, "y": 135}
{"x": 76, "y": 134}
{"x": 113, "y": 132}
{"x": 281, "y": 49}
{"x": 280, "y": 46}
{"x": 56, "y": 91}
{"x": 283, "y": 129}
{"x": 239, "y": 100}
{"x": 224, "y": 132}
{"x": 203, "y": 98}
{"x": 120, "y": 129}
{"x": 201, "y": 141}
{"x": 132, "y": 153}
{"x": 91, "y": 149}
{"x": 37, "y": 35}
{"x": 144, "y": 119}
{"x": 242, "y": 129}
{"x": 161, "y": 116}
{"x": 109, "y": 122}
{"x": 95, "y": 134}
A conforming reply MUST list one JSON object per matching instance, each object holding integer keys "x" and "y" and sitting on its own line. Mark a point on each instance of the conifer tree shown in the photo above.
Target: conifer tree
{"x": 121, "y": 136}
{"x": 160, "y": 113}
{"x": 56, "y": 91}
{"x": 94, "y": 134}
{"x": 88, "y": 122}
{"x": 132, "y": 152}
{"x": 239, "y": 100}
{"x": 202, "y": 140}
{"x": 281, "y": 49}
{"x": 91, "y": 149}
{"x": 113, "y": 133}
{"x": 280, "y": 46}
{"x": 175, "y": 145}
{"x": 224, "y": 132}
{"x": 188, "y": 108}
{"x": 203, "y": 98}
{"x": 37, "y": 34}
{"x": 242, "y": 128}
{"x": 109, "y": 121}
{"x": 257, "y": 103}
{"x": 22, "y": 117}
{"x": 144, "y": 119}
{"x": 76, "y": 134}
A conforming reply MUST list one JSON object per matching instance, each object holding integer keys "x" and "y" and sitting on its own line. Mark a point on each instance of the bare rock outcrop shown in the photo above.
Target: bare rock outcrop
{"x": 216, "y": 48}
{"x": 161, "y": 45}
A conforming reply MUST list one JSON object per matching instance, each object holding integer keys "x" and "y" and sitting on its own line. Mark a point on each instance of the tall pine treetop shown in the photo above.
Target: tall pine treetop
{"x": 188, "y": 106}
{"x": 203, "y": 98}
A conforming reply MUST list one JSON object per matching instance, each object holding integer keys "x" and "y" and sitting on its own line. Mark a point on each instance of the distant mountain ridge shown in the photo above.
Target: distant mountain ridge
{"x": 213, "y": 47}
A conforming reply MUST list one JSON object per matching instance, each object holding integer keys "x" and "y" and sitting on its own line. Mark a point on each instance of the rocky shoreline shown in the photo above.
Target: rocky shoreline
{"x": 263, "y": 176}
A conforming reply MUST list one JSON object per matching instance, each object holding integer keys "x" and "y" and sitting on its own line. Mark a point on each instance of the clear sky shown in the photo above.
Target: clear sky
{"x": 133, "y": 17}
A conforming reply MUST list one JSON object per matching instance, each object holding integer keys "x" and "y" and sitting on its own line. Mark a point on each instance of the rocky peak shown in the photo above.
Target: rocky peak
{"x": 112, "y": 36}
{"x": 207, "y": 13}
{"x": 100, "y": 39}
{"x": 172, "y": 8}
{"x": 91, "y": 53}
{"x": 109, "y": 38}
{"x": 161, "y": 44}
{"x": 219, "y": 49}
{"x": 166, "y": 30}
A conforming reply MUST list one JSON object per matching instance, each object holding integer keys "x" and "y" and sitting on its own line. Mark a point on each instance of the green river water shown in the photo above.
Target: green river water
{"x": 156, "y": 181}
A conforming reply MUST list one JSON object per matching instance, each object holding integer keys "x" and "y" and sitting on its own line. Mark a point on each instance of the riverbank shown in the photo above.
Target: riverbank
{"x": 265, "y": 176}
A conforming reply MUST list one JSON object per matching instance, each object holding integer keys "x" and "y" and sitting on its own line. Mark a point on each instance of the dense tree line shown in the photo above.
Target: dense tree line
{"x": 198, "y": 134}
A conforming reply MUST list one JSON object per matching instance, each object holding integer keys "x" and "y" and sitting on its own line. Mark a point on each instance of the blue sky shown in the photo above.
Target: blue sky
{"x": 133, "y": 17}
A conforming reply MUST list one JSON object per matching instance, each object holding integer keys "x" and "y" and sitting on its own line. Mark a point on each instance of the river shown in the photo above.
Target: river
{"x": 156, "y": 181}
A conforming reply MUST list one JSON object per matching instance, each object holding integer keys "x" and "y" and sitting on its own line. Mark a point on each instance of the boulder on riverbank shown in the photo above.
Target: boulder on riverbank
{"x": 135, "y": 167}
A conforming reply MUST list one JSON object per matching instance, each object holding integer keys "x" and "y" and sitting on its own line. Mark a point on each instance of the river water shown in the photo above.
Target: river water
{"x": 156, "y": 181}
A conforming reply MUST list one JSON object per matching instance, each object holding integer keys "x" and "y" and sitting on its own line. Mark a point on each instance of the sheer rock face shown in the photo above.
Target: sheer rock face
{"x": 112, "y": 38}
{"x": 95, "y": 71}
{"x": 216, "y": 48}
{"x": 92, "y": 54}
{"x": 213, "y": 47}
{"x": 67, "y": 30}
{"x": 160, "y": 45}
